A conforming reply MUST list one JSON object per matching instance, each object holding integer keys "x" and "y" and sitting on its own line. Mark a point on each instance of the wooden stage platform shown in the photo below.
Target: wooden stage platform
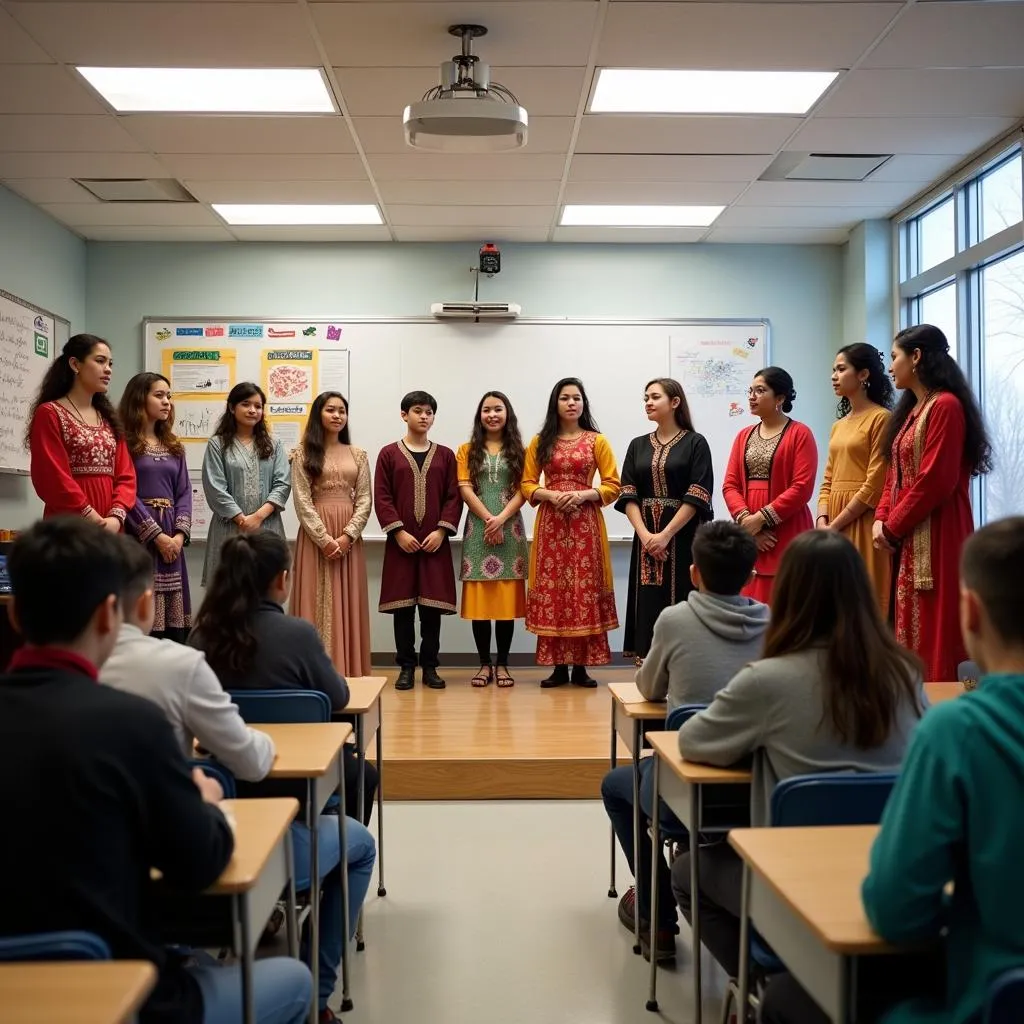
{"x": 462, "y": 743}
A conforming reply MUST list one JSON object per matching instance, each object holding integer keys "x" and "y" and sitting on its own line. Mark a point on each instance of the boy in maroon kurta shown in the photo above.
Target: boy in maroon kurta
{"x": 416, "y": 494}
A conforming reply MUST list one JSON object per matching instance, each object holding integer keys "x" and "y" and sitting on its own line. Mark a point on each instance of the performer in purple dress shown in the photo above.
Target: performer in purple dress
{"x": 161, "y": 518}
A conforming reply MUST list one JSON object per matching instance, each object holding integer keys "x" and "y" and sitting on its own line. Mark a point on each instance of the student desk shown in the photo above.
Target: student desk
{"x": 90, "y": 992}
{"x": 682, "y": 785}
{"x": 801, "y": 889}
{"x": 313, "y": 751}
{"x": 630, "y": 713}
{"x": 939, "y": 692}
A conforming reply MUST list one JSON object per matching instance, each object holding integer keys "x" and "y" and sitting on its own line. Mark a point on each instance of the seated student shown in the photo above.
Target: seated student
{"x": 698, "y": 646}
{"x": 956, "y": 813}
{"x": 252, "y": 644}
{"x": 833, "y": 692}
{"x": 127, "y": 801}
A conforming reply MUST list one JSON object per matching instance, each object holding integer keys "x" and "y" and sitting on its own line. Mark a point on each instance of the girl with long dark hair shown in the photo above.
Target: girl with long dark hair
{"x": 855, "y": 471}
{"x": 79, "y": 461}
{"x": 332, "y": 496}
{"x": 935, "y": 443}
{"x": 494, "y": 551}
{"x": 571, "y": 601}
{"x": 667, "y": 483}
{"x": 833, "y": 692}
{"x": 161, "y": 518}
{"x": 245, "y": 474}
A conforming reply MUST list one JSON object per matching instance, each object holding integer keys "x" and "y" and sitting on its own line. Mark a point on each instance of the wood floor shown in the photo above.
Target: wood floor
{"x": 523, "y": 742}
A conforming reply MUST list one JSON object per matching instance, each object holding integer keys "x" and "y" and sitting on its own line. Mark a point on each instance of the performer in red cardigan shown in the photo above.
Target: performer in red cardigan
{"x": 936, "y": 443}
{"x": 770, "y": 477}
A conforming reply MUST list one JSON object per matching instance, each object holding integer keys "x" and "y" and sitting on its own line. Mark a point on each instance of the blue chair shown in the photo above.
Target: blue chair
{"x": 70, "y": 945}
{"x": 677, "y": 716}
{"x": 1004, "y": 1003}
{"x": 968, "y": 671}
{"x": 217, "y": 771}
{"x": 282, "y": 706}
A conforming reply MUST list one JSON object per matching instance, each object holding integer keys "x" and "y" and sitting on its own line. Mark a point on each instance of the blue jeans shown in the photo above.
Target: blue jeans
{"x": 617, "y": 794}
{"x": 282, "y": 990}
{"x": 362, "y": 852}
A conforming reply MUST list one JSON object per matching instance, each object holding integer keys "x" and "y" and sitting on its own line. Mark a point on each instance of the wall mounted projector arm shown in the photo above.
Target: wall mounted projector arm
{"x": 467, "y": 112}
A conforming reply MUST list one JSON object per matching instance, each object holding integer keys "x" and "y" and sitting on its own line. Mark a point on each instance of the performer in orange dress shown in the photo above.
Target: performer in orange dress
{"x": 79, "y": 462}
{"x": 936, "y": 442}
{"x": 770, "y": 477}
{"x": 570, "y": 603}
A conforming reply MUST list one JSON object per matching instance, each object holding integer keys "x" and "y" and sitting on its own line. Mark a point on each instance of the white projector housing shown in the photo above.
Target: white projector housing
{"x": 475, "y": 310}
{"x": 465, "y": 125}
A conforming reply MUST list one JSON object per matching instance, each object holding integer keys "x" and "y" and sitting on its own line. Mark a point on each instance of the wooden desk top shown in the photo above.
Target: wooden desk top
{"x": 106, "y": 992}
{"x": 364, "y": 692}
{"x": 259, "y": 825}
{"x": 817, "y": 873}
{"x": 632, "y": 703}
{"x": 305, "y": 750}
{"x": 939, "y": 692}
{"x": 666, "y": 746}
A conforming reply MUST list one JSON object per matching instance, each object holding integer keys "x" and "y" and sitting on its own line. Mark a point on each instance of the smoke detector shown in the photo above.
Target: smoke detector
{"x": 467, "y": 112}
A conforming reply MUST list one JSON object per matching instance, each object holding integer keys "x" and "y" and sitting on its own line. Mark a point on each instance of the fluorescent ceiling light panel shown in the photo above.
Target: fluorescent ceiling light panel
{"x": 639, "y": 216}
{"x": 298, "y": 213}
{"x": 674, "y": 91}
{"x": 213, "y": 90}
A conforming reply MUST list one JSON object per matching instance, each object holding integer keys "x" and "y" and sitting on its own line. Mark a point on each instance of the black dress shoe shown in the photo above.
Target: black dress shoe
{"x": 559, "y": 677}
{"x": 405, "y": 679}
{"x": 432, "y": 679}
{"x": 580, "y": 677}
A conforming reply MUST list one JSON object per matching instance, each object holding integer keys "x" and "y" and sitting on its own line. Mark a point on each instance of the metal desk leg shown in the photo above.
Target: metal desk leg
{"x": 743, "y": 981}
{"x": 637, "y": 742}
{"x": 652, "y": 996}
{"x": 313, "y": 824}
{"x": 346, "y": 999}
{"x": 290, "y": 920}
{"x": 360, "y": 810}
{"x": 381, "y": 891}
{"x": 613, "y": 761}
{"x": 242, "y": 913}
{"x": 695, "y": 821}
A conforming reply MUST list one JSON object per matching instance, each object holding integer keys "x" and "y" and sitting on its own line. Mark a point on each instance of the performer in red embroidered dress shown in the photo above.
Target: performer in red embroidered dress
{"x": 79, "y": 461}
{"x": 770, "y": 477}
{"x": 936, "y": 442}
{"x": 570, "y": 605}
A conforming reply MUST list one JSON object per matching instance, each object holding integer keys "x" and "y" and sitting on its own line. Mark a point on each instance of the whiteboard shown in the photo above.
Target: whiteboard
{"x": 458, "y": 362}
{"x": 29, "y": 339}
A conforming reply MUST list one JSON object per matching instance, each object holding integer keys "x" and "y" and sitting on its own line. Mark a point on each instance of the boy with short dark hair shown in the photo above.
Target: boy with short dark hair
{"x": 128, "y": 803}
{"x": 416, "y": 494}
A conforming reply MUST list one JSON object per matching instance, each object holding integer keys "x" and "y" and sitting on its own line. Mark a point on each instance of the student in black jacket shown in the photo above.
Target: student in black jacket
{"x": 127, "y": 801}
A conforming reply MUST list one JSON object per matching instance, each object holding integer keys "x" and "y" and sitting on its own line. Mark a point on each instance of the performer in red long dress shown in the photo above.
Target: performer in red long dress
{"x": 770, "y": 477}
{"x": 80, "y": 464}
{"x": 936, "y": 442}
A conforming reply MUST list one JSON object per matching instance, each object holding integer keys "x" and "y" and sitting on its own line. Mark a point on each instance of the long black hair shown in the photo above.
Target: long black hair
{"x": 549, "y": 432}
{"x": 879, "y": 389}
{"x": 224, "y": 627}
{"x": 313, "y": 435}
{"x": 937, "y": 370}
{"x": 227, "y": 428}
{"x": 511, "y": 444}
{"x": 60, "y": 378}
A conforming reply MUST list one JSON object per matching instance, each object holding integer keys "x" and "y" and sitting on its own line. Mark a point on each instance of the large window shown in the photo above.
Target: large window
{"x": 938, "y": 307}
{"x": 936, "y": 236}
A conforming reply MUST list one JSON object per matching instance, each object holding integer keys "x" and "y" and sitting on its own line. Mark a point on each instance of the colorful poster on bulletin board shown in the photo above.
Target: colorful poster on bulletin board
{"x": 199, "y": 371}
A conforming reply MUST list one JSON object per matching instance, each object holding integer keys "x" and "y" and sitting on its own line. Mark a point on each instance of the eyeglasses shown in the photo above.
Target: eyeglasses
{"x": 757, "y": 392}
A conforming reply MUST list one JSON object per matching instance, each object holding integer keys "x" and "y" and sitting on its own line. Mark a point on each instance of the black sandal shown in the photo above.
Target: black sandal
{"x": 504, "y": 678}
{"x": 483, "y": 677}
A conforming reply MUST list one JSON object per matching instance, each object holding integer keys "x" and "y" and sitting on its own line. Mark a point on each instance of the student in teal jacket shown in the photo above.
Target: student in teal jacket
{"x": 957, "y": 812}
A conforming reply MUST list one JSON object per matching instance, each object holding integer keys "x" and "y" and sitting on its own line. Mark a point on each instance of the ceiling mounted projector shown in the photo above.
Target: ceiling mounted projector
{"x": 467, "y": 112}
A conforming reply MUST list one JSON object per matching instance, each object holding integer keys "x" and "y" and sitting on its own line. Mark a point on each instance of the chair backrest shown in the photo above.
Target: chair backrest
{"x": 831, "y": 798}
{"x": 1004, "y": 1003}
{"x": 968, "y": 670}
{"x": 54, "y": 946}
{"x": 282, "y": 706}
{"x": 681, "y": 714}
{"x": 217, "y": 771}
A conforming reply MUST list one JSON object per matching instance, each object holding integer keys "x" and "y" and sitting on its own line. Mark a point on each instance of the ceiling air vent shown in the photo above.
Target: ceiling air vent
{"x": 824, "y": 166}
{"x": 137, "y": 190}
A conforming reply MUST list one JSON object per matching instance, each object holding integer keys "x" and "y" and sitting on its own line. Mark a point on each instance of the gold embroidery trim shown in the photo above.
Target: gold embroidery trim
{"x": 419, "y": 507}
{"x": 922, "y": 536}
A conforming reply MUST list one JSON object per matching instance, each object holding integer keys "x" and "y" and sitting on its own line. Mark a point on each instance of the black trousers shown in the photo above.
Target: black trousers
{"x": 405, "y": 637}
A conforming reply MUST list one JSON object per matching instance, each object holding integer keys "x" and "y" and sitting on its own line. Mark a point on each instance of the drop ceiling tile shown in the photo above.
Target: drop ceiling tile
{"x": 826, "y": 193}
{"x": 955, "y": 35}
{"x": 812, "y": 36}
{"x": 475, "y": 193}
{"x": 416, "y": 34}
{"x": 490, "y": 167}
{"x": 779, "y": 236}
{"x": 619, "y": 167}
{"x": 487, "y": 218}
{"x": 917, "y": 168}
{"x": 50, "y": 190}
{"x": 212, "y": 34}
{"x": 145, "y": 214}
{"x": 938, "y": 135}
{"x": 81, "y": 165}
{"x": 57, "y": 133}
{"x": 645, "y": 236}
{"x": 179, "y": 133}
{"x": 373, "y": 92}
{"x": 440, "y": 233}
{"x": 44, "y": 89}
{"x": 715, "y": 193}
{"x": 799, "y": 216}
{"x": 385, "y": 134}
{"x": 154, "y": 233}
{"x": 16, "y": 45}
{"x": 263, "y": 167}
{"x": 281, "y": 191}
{"x": 624, "y": 133}
{"x": 313, "y": 233}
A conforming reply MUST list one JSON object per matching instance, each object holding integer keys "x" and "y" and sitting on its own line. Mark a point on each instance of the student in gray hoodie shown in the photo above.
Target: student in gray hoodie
{"x": 698, "y": 646}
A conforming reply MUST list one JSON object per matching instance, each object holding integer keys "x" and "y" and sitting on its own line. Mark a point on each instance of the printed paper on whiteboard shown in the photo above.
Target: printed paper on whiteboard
{"x": 334, "y": 370}
{"x": 201, "y": 514}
